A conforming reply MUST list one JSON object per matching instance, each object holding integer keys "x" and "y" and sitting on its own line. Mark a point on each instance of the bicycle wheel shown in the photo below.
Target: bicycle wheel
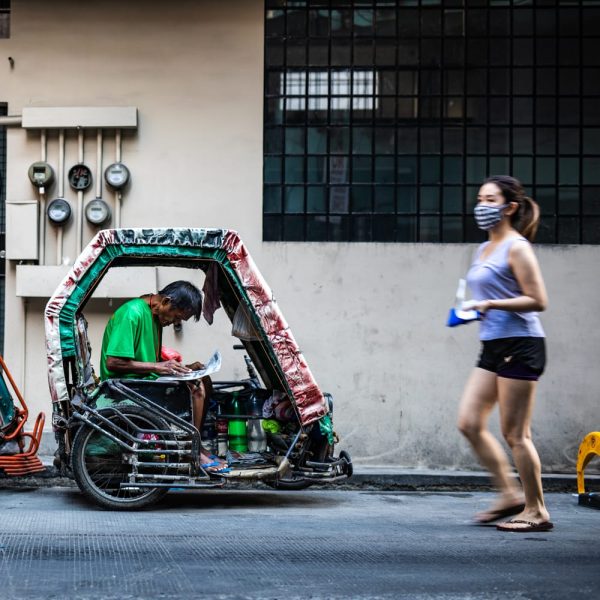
{"x": 100, "y": 465}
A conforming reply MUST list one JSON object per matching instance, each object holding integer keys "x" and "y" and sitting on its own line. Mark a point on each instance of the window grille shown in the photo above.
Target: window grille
{"x": 4, "y": 19}
{"x": 383, "y": 117}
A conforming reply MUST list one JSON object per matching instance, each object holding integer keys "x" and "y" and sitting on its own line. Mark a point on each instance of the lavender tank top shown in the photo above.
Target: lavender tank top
{"x": 492, "y": 279}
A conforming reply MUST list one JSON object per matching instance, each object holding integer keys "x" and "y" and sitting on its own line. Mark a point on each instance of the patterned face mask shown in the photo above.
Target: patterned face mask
{"x": 487, "y": 216}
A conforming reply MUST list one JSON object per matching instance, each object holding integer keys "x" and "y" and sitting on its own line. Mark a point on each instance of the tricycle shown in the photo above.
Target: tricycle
{"x": 126, "y": 442}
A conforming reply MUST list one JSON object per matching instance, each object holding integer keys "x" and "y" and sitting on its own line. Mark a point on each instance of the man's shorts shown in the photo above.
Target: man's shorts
{"x": 514, "y": 357}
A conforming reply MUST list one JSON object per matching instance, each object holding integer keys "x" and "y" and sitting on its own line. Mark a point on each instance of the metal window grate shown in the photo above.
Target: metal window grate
{"x": 383, "y": 117}
{"x": 4, "y": 19}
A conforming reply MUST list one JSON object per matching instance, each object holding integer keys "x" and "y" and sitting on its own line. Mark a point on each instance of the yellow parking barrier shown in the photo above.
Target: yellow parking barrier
{"x": 589, "y": 447}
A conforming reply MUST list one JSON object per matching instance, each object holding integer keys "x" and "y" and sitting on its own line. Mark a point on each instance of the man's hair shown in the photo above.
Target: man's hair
{"x": 184, "y": 295}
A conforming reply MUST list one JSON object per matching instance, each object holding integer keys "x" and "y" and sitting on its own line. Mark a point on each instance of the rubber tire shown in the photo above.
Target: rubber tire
{"x": 296, "y": 485}
{"x": 148, "y": 497}
{"x": 289, "y": 485}
{"x": 344, "y": 454}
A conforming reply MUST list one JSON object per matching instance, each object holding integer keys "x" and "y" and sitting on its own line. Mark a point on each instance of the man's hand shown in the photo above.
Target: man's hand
{"x": 171, "y": 367}
{"x": 195, "y": 366}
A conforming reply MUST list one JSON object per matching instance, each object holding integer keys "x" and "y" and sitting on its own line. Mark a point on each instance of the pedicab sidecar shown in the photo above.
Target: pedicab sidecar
{"x": 127, "y": 441}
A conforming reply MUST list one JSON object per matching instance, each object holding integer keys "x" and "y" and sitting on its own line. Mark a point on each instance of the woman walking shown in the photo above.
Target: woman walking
{"x": 507, "y": 286}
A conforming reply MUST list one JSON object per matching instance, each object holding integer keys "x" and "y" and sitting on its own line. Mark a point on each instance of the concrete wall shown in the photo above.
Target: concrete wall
{"x": 369, "y": 317}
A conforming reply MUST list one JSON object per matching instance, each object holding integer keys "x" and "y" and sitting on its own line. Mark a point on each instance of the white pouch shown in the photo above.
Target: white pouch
{"x": 242, "y": 326}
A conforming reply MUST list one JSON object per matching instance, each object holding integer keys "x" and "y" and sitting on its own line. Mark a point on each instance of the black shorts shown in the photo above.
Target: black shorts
{"x": 514, "y": 357}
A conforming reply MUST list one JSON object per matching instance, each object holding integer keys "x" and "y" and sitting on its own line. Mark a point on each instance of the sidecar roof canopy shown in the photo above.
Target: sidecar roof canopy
{"x": 112, "y": 247}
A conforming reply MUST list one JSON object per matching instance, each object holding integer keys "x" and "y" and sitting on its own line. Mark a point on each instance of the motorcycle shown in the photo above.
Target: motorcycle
{"x": 126, "y": 442}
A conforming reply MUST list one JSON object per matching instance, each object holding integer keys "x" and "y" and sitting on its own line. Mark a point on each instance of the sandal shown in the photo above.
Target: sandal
{"x": 529, "y": 526}
{"x": 493, "y": 515}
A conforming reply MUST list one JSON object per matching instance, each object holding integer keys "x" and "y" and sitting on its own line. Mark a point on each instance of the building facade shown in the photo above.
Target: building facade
{"x": 345, "y": 141}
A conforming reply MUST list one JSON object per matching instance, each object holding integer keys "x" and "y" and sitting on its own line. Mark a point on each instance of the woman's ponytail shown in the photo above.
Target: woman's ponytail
{"x": 527, "y": 218}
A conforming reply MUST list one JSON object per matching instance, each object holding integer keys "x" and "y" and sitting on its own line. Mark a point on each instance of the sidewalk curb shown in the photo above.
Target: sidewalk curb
{"x": 367, "y": 478}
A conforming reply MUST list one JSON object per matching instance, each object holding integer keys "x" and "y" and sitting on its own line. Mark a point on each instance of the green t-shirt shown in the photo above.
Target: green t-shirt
{"x": 132, "y": 333}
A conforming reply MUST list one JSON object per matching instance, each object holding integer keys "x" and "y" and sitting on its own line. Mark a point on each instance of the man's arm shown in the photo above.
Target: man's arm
{"x": 136, "y": 367}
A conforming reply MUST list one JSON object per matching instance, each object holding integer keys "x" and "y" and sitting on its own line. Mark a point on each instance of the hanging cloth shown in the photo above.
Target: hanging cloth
{"x": 210, "y": 289}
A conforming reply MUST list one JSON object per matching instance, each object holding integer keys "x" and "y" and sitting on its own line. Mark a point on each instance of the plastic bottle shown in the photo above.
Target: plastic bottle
{"x": 238, "y": 441}
{"x": 222, "y": 436}
{"x": 257, "y": 437}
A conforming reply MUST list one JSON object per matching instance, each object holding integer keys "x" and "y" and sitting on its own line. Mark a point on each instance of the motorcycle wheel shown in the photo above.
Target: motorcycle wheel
{"x": 350, "y": 468}
{"x": 297, "y": 483}
{"x": 291, "y": 485}
{"x": 99, "y": 464}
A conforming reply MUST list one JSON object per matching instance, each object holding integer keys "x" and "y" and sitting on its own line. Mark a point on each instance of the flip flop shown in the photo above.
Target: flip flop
{"x": 221, "y": 471}
{"x": 214, "y": 463}
{"x": 494, "y": 515}
{"x": 529, "y": 526}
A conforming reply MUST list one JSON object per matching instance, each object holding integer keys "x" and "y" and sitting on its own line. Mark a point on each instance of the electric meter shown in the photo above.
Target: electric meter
{"x": 117, "y": 175}
{"x": 41, "y": 174}
{"x": 97, "y": 212}
{"x": 80, "y": 177}
{"x": 59, "y": 211}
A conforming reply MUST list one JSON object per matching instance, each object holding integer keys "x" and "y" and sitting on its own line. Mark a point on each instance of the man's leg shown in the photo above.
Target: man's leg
{"x": 201, "y": 392}
{"x": 199, "y": 404}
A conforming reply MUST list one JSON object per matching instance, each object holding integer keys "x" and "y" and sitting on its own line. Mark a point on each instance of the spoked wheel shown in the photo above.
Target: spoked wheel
{"x": 100, "y": 465}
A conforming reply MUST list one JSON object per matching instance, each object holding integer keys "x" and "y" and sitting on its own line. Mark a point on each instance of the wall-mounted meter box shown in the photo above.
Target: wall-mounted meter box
{"x": 22, "y": 223}
{"x": 97, "y": 212}
{"x": 59, "y": 212}
{"x": 117, "y": 175}
{"x": 41, "y": 174}
{"x": 80, "y": 177}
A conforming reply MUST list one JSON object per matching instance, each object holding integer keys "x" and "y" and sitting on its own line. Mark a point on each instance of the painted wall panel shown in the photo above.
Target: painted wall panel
{"x": 369, "y": 317}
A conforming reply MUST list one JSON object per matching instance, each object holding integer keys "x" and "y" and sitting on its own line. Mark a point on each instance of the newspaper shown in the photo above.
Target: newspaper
{"x": 211, "y": 366}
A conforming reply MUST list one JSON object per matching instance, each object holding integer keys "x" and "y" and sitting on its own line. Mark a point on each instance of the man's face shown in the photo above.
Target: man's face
{"x": 168, "y": 314}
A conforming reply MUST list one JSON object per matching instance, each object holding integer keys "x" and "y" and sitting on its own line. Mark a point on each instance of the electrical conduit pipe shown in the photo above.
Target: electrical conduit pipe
{"x": 79, "y": 193}
{"x": 117, "y": 192}
{"x": 61, "y": 192}
{"x": 42, "y": 193}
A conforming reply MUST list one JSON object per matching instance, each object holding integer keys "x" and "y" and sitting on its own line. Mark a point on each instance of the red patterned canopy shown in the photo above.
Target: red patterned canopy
{"x": 221, "y": 245}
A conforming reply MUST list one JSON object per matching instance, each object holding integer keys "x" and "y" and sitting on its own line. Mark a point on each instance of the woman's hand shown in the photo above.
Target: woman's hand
{"x": 482, "y": 306}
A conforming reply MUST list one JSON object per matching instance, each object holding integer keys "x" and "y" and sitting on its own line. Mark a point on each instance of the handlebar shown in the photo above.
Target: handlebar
{"x": 249, "y": 366}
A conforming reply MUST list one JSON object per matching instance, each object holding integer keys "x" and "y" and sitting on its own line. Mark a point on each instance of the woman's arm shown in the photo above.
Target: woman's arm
{"x": 525, "y": 266}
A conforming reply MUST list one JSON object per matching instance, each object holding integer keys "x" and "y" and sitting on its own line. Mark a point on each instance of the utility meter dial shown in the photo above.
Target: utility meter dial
{"x": 41, "y": 174}
{"x": 97, "y": 212}
{"x": 117, "y": 175}
{"x": 59, "y": 211}
{"x": 80, "y": 177}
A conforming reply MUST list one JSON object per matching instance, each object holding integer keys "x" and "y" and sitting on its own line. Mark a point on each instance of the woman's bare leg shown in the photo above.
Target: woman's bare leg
{"x": 516, "y": 398}
{"x": 478, "y": 400}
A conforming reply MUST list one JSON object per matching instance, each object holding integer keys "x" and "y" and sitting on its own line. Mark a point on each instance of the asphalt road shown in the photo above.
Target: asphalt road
{"x": 311, "y": 544}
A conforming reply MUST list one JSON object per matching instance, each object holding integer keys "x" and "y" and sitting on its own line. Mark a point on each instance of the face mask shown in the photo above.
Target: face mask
{"x": 487, "y": 217}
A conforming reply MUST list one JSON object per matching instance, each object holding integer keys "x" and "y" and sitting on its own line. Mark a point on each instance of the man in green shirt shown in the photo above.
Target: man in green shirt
{"x": 131, "y": 346}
